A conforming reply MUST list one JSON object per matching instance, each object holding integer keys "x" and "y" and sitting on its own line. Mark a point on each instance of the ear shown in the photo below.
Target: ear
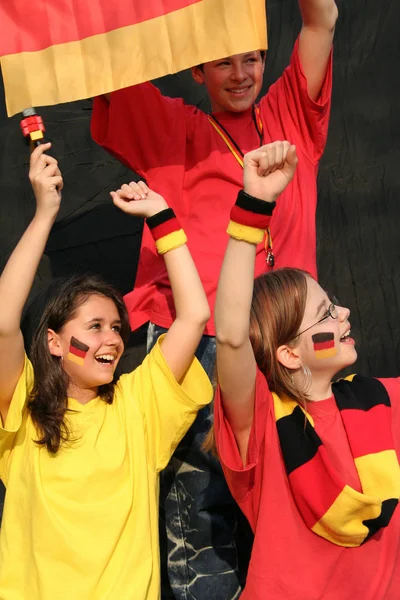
{"x": 198, "y": 75}
{"x": 54, "y": 343}
{"x": 288, "y": 357}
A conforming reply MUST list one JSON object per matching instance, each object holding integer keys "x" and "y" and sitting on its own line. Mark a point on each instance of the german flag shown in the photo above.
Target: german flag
{"x": 328, "y": 505}
{"x": 324, "y": 345}
{"x": 56, "y": 51}
{"x": 77, "y": 351}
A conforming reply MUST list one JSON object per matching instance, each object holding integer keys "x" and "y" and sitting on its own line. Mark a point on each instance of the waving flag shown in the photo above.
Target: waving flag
{"x": 56, "y": 51}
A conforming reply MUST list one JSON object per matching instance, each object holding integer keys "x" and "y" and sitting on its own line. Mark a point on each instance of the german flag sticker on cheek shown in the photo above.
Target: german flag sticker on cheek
{"x": 324, "y": 345}
{"x": 77, "y": 351}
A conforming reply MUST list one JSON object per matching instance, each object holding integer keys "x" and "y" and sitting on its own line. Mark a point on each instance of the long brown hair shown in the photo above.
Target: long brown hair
{"x": 277, "y": 310}
{"x": 52, "y": 309}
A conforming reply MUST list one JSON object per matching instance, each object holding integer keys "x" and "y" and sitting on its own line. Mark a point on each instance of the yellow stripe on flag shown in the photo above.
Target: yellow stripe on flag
{"x": 337, "y": 524}
{"x": 201, "y": 32}
{"x": 75, "y": 359}
{"x": 379, "y": 474}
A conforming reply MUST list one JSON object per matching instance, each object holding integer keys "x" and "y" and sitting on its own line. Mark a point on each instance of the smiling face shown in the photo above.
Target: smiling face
{"x": 233, "y": 83}
{"x": 90, "y": 345}
{"x": 326, "y": 347}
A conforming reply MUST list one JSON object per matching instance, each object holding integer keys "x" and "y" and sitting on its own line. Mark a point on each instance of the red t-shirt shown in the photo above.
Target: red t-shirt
{"x": 289, "y": 561}
{"x": 175, "y": 148}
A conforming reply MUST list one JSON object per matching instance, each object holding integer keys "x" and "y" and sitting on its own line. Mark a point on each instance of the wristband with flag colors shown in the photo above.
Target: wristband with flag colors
{"x": 250, "y": 218}
{"x": 166, "y": 231}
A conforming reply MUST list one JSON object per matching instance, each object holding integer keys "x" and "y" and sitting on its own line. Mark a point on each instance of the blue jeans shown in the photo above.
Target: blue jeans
{"x": 197, "y": 512}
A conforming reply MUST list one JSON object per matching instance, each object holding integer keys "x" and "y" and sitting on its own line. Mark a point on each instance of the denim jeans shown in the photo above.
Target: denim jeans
{"x": 198, "y": 515}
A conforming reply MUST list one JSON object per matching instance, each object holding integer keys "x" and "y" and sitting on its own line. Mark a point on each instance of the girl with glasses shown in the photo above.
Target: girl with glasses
{"x": 312, "y": 464}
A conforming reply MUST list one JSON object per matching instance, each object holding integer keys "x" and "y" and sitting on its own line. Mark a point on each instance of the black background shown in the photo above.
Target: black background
{"x": 359, "y": 179}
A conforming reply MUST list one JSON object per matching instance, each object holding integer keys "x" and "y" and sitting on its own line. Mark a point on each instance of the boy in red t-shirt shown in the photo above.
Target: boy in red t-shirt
{"x": 194, "y": 160}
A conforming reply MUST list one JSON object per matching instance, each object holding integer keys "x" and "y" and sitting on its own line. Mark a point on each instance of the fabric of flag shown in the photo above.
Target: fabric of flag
{"x": 328, "y": 506}
{"x": 56, "y": 51}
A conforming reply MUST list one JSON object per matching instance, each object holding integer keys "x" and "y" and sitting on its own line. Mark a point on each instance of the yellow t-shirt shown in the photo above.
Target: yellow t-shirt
{"x": 83, "y": 524}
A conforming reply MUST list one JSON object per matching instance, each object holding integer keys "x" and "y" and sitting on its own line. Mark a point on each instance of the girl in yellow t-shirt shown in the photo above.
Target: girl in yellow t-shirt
{"x": 80, "y": 454}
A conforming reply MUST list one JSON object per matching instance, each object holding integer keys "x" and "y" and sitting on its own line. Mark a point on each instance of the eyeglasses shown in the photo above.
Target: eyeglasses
{"x": 331, "y": 312}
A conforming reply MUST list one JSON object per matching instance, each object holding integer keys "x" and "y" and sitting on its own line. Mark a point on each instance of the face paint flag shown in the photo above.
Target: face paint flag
{"x": 324, "y": 345}
{"x": 77, "y": 351}
{"x": 56, "y": 51}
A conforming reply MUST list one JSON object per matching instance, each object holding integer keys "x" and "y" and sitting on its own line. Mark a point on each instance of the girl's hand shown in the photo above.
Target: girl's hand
{"x": 269, "y": 169}
{"x": 138, "y": 200}
{"x": 46, "y": 180}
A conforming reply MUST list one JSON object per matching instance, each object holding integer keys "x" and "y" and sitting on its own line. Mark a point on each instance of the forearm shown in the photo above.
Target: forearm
{"x": 19, "y": 272}
{"x": 190, "y": 300}
{"x": 234, "y": 295}
{"x": 319, "y": 14}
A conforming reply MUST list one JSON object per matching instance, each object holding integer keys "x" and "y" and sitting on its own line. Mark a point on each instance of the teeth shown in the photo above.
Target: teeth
{"x": 107, "y": 357}
{"x": 345, "y": 335}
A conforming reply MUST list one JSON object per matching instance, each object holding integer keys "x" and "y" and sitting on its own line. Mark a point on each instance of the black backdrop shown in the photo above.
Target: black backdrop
{"x": 359, "y": 179}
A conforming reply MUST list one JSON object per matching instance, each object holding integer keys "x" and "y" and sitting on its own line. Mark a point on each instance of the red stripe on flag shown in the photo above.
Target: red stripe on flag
{"x": 324, "y": 345}
{"x": 77, "y": 352}
{"x": 28, "y": 27}
{"x": 371, "y": 430}
{"x": 308, "y": 489}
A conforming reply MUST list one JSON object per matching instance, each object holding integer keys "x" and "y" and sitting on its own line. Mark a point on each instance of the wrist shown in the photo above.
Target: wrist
{"x": 166, "y": 230}
{"x": 156, "y": 209}
{"x": 46, "y": 215}
{"x": 269, "y": 199}
{"x": 250, "y": 217}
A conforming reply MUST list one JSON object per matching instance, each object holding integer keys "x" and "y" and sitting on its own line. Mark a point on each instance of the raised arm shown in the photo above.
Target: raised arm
{"x": 140, "y": 127}
{"x": 191, "y": 306}
{"x": 267, "y": 172}
{"x": 19, "y": 272}
{"x": 315, "y": 43}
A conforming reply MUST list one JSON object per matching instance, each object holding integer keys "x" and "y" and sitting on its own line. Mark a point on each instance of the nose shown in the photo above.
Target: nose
{"x": 112, "y": 338}
{"x": 344, "y": 313}
{"x": 238, "y": 72}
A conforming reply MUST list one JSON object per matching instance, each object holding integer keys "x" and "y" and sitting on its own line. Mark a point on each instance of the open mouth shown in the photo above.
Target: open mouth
{"x": 346, "y": 336}
{"x": 105, "y": 359}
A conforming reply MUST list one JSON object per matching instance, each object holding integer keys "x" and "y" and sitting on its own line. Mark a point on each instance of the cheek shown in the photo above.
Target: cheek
{"x": 324, "y": 345}
{"x": 77, "y": 351}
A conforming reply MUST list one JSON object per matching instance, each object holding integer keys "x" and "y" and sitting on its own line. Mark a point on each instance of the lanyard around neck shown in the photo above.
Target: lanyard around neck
{"x": 239, "y": 155}
{"x": 228, "y": 139}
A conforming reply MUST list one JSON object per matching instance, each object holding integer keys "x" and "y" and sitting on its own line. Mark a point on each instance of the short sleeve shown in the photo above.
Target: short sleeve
{"x": 168, "y": 407}
{"x": 16, "y": 413}
{"x": 241, "y": 478}
{"x": 140, "y": 126}
{"x": 301, "y": 120}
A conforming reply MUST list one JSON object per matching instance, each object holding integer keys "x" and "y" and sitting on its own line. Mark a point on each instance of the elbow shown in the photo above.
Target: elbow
{"x": 332, "y": 17}
{"x": 203, "y": 314}
{"x": 198, "y": 318}
{"x": 323, "y": 20}
{"x": 205, "y": 317}
{"x": 232, "y": 339}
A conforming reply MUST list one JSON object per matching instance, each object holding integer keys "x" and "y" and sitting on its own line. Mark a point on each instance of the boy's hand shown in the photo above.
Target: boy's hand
{"x": 138, "y": 200}
{"x": 46, "y": 180}
{"x": 269, "y": 169}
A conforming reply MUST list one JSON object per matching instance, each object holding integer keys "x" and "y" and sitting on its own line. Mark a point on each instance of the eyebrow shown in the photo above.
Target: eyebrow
{"x": 101, "y": 320}
{"x": 321, "y": 305}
